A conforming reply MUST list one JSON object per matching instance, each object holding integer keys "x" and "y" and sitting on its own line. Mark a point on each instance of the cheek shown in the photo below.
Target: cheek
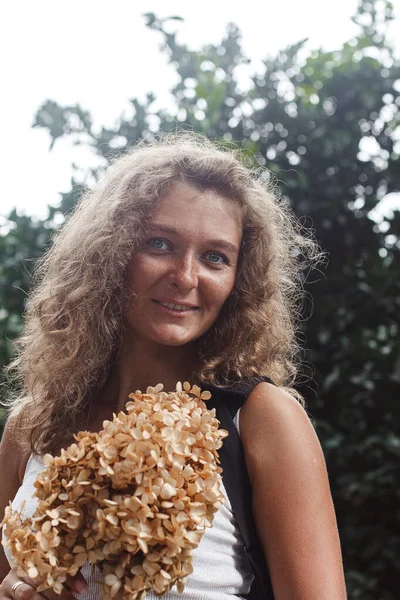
{"x": 221, "y": 291}
{"x": 142, "y": 272}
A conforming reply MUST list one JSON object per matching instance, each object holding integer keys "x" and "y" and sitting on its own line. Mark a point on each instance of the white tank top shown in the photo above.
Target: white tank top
{"x": 220, "y": 568}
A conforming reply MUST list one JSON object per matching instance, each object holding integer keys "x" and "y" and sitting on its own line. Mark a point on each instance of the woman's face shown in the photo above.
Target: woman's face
{"x": 186, "y": 267}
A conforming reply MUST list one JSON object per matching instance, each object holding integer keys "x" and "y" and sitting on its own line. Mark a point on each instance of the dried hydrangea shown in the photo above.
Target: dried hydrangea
{"x": 133, "y": 499}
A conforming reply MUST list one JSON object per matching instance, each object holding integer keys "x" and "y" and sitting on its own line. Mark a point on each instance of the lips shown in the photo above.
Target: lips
{"x": 176, "y": 306}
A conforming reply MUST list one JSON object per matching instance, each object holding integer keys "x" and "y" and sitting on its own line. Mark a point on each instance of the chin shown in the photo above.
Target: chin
{"x": 174, "y": 339}
{"x": 174, "y": 342}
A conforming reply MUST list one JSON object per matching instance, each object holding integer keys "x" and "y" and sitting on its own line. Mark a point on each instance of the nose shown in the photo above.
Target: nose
{"x": 184, "y": 272}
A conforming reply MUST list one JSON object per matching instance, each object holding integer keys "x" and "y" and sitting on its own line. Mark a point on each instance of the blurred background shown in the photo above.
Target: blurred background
{"x": 311, "y": 90}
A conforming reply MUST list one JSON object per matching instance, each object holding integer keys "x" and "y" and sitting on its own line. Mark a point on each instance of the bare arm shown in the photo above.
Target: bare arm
{"x": 12, "y": 461}
{"x": 12, "y": 468}
{"x": 292, "y": 503}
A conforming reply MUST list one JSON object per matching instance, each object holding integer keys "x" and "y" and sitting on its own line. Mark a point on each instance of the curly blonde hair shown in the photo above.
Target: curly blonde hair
{"x": 73, "y": 321}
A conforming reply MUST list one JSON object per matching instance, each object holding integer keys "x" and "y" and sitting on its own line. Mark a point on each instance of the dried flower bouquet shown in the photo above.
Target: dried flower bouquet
{"x": 133, "y": 499}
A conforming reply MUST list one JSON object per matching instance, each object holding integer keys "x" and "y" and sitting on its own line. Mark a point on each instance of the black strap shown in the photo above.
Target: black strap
{"x": 238, "y": 487}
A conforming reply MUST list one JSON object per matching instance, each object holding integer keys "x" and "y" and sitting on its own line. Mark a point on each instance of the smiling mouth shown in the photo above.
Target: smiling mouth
{"x": 177, "y": 308}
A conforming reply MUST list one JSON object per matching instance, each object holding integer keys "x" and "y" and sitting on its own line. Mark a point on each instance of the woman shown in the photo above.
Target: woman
{"x": 182, "y": 265}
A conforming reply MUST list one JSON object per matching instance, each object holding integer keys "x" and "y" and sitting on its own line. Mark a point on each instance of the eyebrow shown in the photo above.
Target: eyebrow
{"x": 223, "y": 244}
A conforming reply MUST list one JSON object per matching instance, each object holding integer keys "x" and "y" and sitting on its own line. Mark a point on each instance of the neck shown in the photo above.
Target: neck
{"x": 141, "y": 364}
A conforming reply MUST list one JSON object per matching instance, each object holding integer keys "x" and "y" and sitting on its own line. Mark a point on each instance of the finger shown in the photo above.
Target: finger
{"x": 66, "y": 595}
{"x": 48, "y": 594}
{"x": 26, "y": 592}
{"x": 77, "y": 583}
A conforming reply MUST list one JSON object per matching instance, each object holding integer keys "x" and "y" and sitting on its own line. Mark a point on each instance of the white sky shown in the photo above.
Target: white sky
{"x": 99, "y": 53}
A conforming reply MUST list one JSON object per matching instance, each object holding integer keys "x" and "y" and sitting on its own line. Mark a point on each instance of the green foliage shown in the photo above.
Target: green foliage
{"x": 303, "y": 119}
{"x": 22, "y": 242}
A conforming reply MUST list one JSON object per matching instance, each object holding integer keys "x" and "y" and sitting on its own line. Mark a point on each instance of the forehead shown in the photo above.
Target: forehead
{"x": 187, "y": 208}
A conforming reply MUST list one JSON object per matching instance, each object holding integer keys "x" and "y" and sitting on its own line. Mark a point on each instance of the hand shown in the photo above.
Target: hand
{"x": 27, "y": 591}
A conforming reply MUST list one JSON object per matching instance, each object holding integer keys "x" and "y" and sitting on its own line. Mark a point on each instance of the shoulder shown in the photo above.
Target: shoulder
{"x": 274, "y": 402}
{"x": 13, "y": 458}
{"x": 272, "y": 410}
{"x": 274, "y": 425}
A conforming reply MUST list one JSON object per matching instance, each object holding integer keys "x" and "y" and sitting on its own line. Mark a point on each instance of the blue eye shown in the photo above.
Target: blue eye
{"x": 157, "y": 244}
{"x": 216, "y": 258}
